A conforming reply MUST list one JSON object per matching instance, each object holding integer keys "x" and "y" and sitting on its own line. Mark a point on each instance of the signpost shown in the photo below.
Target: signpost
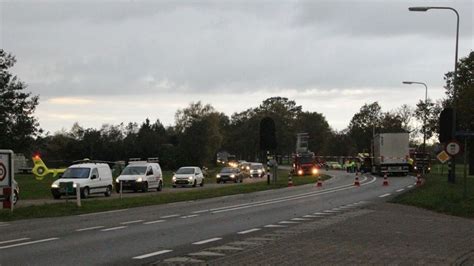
{"x": 6, "y": 178}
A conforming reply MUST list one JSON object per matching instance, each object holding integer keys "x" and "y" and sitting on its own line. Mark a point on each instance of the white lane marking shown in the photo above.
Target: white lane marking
{"x": 299, "y": 196}
{"x": 189, "y": 216}
{"x": 132, "y": 222}
{"x": 201, "y": 211}
{"x": 154, "y": 222}
{"x": 410, "y": 186}
{"x": 274, "y": 226}
{"x": 152, "y": 254}
{"x": 4, "y": 225}
{"x": 113, "y": 228}
{"x": 305, "y": 195}
{"x": 29, "y": 243}
{"x": 321, "y": 213}
{"x": 169, "y": 216}
{"x": 400, "y": 190}
{"x": 384, "y": 195}
{"x": 14, "y": 240}
{"x": 311, "y": 216}
{"x": 330, "y": 211}
{"x": 90, "y": 228}
{"x": 288, "y": 222}
{"x": 207, "y": 241}
{"x": 248, "y": 231}
{"x": 95, "y": 213}
{"x": 299, "y": 219}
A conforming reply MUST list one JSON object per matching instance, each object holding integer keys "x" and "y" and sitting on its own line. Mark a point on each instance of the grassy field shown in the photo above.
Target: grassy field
{"x": 63, "y": 209}
{"x": 439, "y": 195}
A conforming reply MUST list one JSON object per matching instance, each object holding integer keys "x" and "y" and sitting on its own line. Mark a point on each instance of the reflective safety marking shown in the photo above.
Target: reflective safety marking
{"x": 400, "y": 190}
{"x": 29, "y": 243}
{"x": 248, "y": 231}
{"x": 384, "y": 195}
{"x": 207, "y": 241}
{"x": 90, "y": 228}
{"x": 132, "y": 222}
{"x": 169, "y": 216}
{"x": 152, "y": 254}
{"x": 113, "y": 228}
{"x": 154, "y": 222}
{"x": 14, "y": 240}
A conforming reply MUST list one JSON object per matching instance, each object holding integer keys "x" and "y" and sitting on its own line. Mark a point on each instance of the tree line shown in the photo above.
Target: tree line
{"x": 200, "y": 131}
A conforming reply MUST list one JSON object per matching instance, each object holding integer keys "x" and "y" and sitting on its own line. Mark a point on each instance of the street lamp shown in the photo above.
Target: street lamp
{"x": 424, "y": 9}
{"x": 425, "y": 118}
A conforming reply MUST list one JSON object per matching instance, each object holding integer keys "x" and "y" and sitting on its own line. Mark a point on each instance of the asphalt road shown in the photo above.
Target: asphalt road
{"x": 156, "y": 233}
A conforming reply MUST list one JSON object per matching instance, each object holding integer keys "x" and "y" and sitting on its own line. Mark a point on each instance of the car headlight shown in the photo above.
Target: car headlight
{"x": 248, "y": 168}
{"x": 74, "y": 185}
{"x": 232, "y": 176}
{"x": 174, "y": 178}
{"x": 414, "y": 167}
{"x": 117, "y": 180}
{"x": 300, "y": 172}
{"x": 259, "y": 171}
{"x": 315, "y": 171}
{"x": 218, "y": 175}
{"x": 190, "y": 178}
{"x": 54, "y": 185}
{"x": 139, "y": 179}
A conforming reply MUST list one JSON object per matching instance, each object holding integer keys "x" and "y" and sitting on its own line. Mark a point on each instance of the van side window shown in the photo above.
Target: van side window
{"x": 95, "y": 172}
{"x": 150, "y": 171}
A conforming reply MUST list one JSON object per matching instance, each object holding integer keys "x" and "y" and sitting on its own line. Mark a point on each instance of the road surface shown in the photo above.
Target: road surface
{"x": 181, "y": 231}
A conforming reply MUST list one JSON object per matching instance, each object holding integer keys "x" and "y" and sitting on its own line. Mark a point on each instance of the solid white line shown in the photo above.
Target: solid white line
{"x": 201, "y": 211}
{"x": 207, "y": 241}
{"x": 14, "y": 240}
{"x": 274, "y": 225}
{"x": 154, "y": 222}
{"x": 132, "y": 222}
{"x": 400, "y": 190}
{"x": 384, "y": 195}
{"x": 90, "y": 228}
{"x": 29, "y": 243}
{"x": 94, "y": 213}
{"x": 152, "y": 254}
{"x": 248, "y": 231}
{"x": 169, "y": 216}
{"x": 189, "y": 216}
{"x": 113, "y": 228}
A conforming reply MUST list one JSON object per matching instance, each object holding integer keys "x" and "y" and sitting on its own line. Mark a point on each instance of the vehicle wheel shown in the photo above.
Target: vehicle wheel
{"x": 145, "y": 187}
{"x": 174, "y": 186}
{"x": 218, "y": 181}
{"x": 195, "y": 183}
{"x": 85, "y": 193}
{"x": 235, "y": 181}
{"x": 108, "y": 191}
{"x": 202, "y": 183}
{"x": 15, "y": 198}
{"x": 160, "y": 186}
{"x": 241, "y": 180}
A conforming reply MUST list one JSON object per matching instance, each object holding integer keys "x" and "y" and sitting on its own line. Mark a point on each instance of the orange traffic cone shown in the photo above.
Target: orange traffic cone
{"x": 385, "y": 180}
{"x": 418, "y": 180}
{"x": 319, "y": 183}
{"x": 356, "y": 181}
{"x": 290, "y": 181}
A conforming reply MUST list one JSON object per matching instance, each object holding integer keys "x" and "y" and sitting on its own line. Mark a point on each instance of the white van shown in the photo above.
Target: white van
{"x": 140, "y": 175}
{"x": 92, "y": 178}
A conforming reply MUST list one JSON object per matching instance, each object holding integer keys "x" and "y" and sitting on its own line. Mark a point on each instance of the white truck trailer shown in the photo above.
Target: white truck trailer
{"x": 390, "y": 154}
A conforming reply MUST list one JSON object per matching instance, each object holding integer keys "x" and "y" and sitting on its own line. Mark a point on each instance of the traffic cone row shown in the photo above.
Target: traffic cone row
{"x": 319, "y": 183}
{"x": 356, "y": 181}
{"x": 290, "y": 181}
{"x": 385, "y": 180}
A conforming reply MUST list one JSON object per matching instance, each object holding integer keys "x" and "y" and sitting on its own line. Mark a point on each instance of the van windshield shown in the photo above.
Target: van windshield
{"x": 256, "y": 167}
{"x": 76, "y": 172}
{"x": 185, "y": 171}
{"x": 134, "y": 170}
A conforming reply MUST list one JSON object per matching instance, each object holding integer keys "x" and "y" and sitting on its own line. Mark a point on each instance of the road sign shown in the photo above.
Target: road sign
{"x": 443, "y": 157}
{"x": 453, "y": 148}
{"x": 6, "y": 168}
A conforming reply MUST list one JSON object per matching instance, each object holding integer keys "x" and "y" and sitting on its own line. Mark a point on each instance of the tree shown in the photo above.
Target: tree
{"x": 429, "y": 111}
{"x": 195, "y": 111}
{"x": 18, "y": 126}
{"x": 363, "y": 124}
{"x": 317, "y": 127}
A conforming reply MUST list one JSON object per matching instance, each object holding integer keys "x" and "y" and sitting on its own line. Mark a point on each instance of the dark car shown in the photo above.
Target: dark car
{"x": 230, "y": 174}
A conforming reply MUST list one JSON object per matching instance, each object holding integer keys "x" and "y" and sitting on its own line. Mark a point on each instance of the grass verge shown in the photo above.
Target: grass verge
{"x": 89, "y": 206}
{"x": 439, "y": 195}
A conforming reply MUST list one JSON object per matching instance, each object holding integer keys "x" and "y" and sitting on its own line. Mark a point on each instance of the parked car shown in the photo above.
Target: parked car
{"x": 257, "y": 170}
{"x": 188, "y": 175}
{"x": 92, "y": 178}
{"x": 140, "y": 175}
{"x": 230, "y": 174}
{"x": 16, "y": 192}
{"x": 334, "y": 165}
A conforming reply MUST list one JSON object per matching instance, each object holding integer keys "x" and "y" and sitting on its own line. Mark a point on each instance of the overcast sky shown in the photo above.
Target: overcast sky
{"x": 99, "y": 62}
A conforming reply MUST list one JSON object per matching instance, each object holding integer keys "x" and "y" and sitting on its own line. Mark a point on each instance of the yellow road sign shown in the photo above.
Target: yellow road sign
{"x": 443, "y": 157}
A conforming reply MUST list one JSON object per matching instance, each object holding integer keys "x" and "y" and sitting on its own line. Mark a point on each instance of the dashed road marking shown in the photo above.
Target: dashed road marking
{"x": 207, "y": 241}
{"x": 154, "y": 222}
{"x": 201, "y": 211}
{"x": 189, "y": 216}
{"x": 384, "y": 195}
{"x": 113, "y": 228}
{"x": 248, "y": 231}
{"x": 410, "y": 186}
{"x": 29, "y": 243}
{"x": 132, "y": 222}
{"x": 169, "y": 216}
{"x": 90, "y": 228}
{"x": 300, "y": 219}
{"x": 311, "y": 216}
{"x": 288, "y": 222}
{"x": 14, "y": 240}
{"x": 400, "y": 190}
{"x": 206, "y": 254}
{"x": 95, "y": 213}
{"x": 274, "y": 226}
{"x": 152, "y": 254}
